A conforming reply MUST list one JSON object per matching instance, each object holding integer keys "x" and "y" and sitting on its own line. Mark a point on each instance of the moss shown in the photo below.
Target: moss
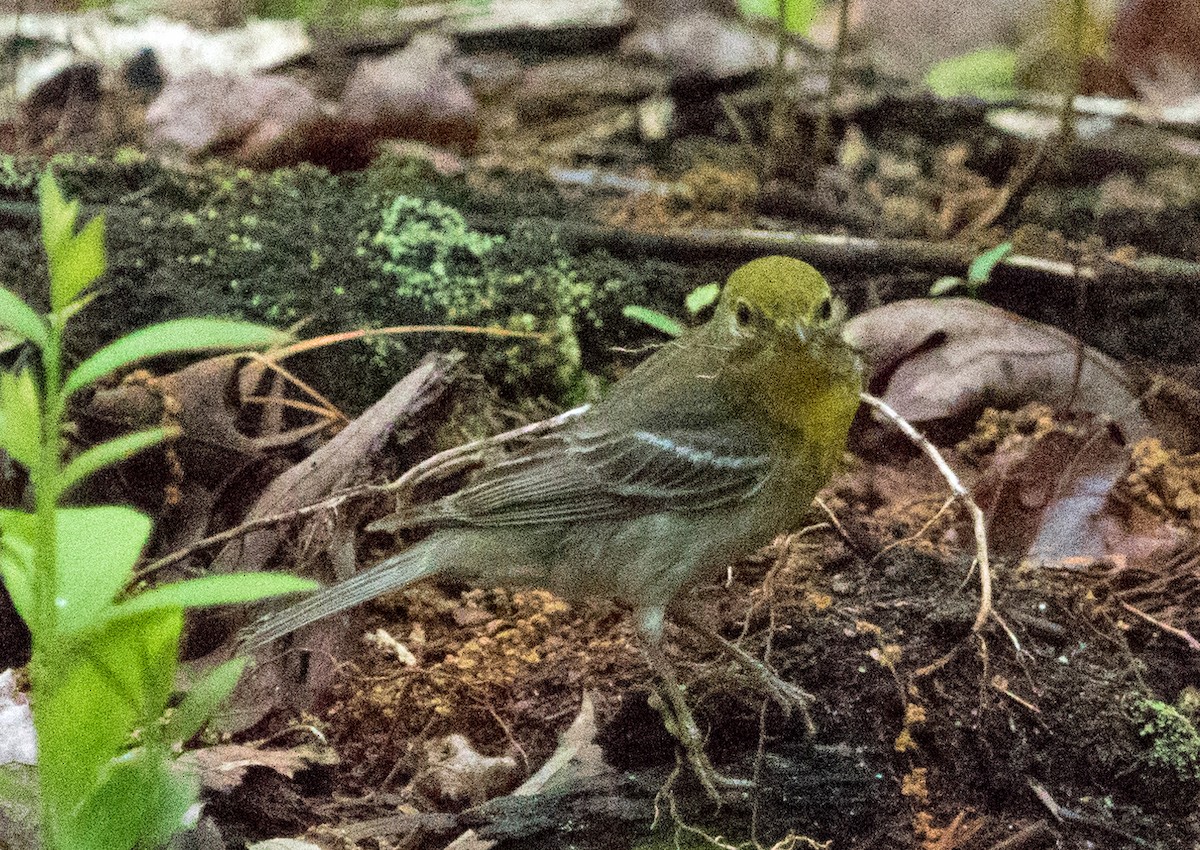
{"x": 16, "y": 174}
{"x": 1174, "y": 740}
{"x": 424, "y": 253}
{"x": 390, "y": 246}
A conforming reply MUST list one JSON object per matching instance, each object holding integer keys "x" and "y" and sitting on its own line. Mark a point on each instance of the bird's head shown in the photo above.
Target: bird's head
{"x": 778, "y": 301}
{"x": 783, "y": 329}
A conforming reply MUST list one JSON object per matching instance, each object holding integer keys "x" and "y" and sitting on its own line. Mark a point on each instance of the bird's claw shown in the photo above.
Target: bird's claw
{"x": 678, "y": 719}
{"x": 788, "y": 696}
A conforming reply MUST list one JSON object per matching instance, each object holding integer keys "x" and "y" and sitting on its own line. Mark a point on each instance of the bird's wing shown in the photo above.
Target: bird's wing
{"x": 602, "y": 474}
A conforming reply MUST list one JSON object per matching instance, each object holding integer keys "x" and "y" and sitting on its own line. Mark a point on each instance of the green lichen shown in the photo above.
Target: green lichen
{"x": 424, "y": 252}
{"x": 1174, "y": 740}
{"x": 429, "y": 265}
{"x": 14, "y": 176}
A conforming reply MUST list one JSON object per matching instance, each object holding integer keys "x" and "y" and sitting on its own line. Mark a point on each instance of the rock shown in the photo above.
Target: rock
{"x": 251, "y": 116}
{"x": 413, "y": 93}
{"x": 704, "y": 44}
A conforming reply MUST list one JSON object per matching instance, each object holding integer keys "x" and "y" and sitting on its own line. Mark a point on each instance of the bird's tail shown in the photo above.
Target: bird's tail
{"x": 392, "y": 574}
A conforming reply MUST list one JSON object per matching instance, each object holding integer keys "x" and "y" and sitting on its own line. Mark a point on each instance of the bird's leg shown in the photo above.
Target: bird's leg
{"x": 783, "y": 692}
{"x": 677, "y": 716}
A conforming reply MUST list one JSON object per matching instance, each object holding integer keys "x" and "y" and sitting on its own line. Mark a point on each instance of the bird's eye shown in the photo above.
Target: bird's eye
{"x": 825, "y": 310}
{"x": 743, "y": 313}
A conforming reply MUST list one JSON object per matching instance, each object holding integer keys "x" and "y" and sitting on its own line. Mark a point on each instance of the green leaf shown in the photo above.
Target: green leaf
{"x": 91, "y": 694}
{"x": 74, "y": 308}
{"x": 174, "y": 337}
{"x": 701, "y": 297}
{"x": 20, "y": 417}
{"x": 798, "y": 14}
{"x": 203, "y": 699}
{"x": 989, "y": 74}
{"x": 980, "y": 270}
{"x": 17, "y": 533}
{"x": 76, "y": 262}
{"x": 109, "y": 453}
{"x": 654, "y": 319}
{"x": 57, "y": 214}
{"x": 140, "y": 801}
{"x": 215, "y": 590}
{"x": 10, "y": 341}
{"x": 946, "y": 285}
{"x": 97, "y": 548}
{"x": 20, "y": 318}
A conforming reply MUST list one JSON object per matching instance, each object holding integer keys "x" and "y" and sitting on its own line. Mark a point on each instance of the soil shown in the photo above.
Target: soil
{"x": 1068, "y": 720}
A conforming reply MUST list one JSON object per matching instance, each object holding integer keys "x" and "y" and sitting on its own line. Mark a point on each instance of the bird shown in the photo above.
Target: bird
{"x": 704, "y": 453}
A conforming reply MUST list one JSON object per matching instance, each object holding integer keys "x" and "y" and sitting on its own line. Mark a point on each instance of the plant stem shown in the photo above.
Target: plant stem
{"x": 777, "y": 122}
{"x": 45, "y": 485}
{"x": 1075, "y": 75}
{"x": 823, "y": 143}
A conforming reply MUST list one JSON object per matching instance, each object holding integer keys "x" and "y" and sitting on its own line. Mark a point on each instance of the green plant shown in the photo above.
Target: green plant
{"x": 793, "y": 16}
{"x": 696, "y": 301}
{"x": 103, "y": 667}
{"x": 978, "y": 273}
{"x": 989, "y": 74}
{"x": 1175, "y": 741}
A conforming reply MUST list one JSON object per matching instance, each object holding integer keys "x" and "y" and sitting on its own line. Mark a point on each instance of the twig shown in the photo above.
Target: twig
{"x": 919, "y": 533}
{"x": 456, "y": 458}
{"x": 1063, "y": 814}
{"x": 961, "y": 492}
{"x": 847, "y": 253}
{"x": 1024, "y": 703}
{"x": 441, "y": 463}
{"x": 325, "y": 406}
{"x": 1038, "y": 834}
{"x": 397, "y": 330}
{"x": 1018, "y": 179}
{"x": 245, "y": 528}
{"x": 837, "y": 525}
{"x": 982, "y": 560}
{"x": 1183, "y": 635}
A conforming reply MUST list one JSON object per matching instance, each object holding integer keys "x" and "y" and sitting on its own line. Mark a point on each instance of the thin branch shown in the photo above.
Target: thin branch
{"x": 1183, "y": 635}
{"x": 851, "y": 253}
{"x": 961, "y": 492}
{"x": 986, "y": 611}
{"x": 398, "y": 330}
{"x": 440, "y": 464}
{"x": 456, "y": 458}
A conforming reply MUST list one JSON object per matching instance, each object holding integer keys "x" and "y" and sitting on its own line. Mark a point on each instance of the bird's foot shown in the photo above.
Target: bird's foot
{"x": 680, "y": 722}
{"x": 788, "y": 695}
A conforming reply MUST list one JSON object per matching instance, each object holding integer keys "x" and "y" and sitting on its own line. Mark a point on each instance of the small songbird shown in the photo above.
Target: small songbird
{"x": 703, "y": 454}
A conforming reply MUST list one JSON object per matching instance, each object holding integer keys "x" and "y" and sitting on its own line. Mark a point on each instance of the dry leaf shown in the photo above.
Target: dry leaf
{"x": 945, "y": 360}
{"x": 222, "y": 768}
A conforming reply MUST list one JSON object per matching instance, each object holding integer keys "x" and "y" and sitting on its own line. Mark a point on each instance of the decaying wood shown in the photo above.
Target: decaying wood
{"x": 331, "y": 466}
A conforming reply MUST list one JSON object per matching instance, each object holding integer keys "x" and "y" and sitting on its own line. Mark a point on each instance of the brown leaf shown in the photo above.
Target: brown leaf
{"x": 223, "y": 767}
{"x": 1047, "y": 497}
{"x": 946, "y": 360}
{"x": 1156, "y": 44}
